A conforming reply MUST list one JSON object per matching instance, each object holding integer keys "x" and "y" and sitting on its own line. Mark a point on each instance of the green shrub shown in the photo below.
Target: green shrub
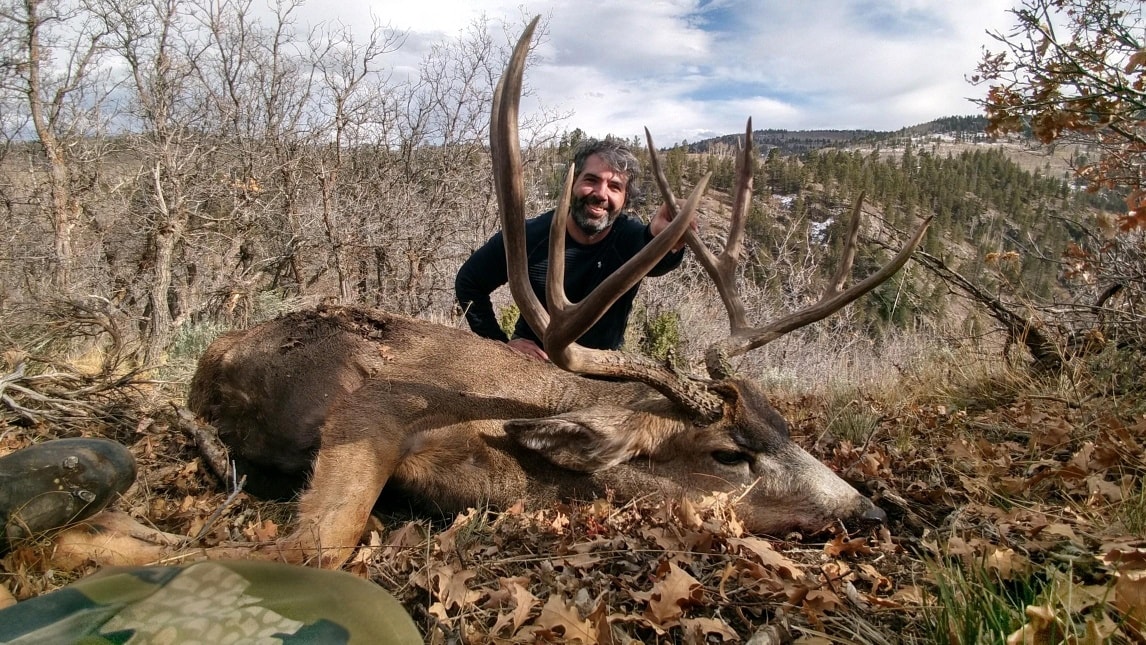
{"x": 661, "y": 336}
{"x": 507, "y": 319}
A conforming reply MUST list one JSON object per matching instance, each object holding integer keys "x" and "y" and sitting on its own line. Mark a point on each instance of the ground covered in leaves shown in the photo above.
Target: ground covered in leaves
{"x": 1017, "y": 516}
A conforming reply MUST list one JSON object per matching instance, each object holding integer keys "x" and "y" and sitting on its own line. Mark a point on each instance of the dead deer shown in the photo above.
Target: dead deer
{"x": 358, "y": 404}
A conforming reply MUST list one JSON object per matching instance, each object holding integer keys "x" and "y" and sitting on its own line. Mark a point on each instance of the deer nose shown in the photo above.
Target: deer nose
{"x": 873, "y": 515}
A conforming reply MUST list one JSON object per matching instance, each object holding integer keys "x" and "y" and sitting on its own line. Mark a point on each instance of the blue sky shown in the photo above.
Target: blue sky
{"x": 691, "y": 69}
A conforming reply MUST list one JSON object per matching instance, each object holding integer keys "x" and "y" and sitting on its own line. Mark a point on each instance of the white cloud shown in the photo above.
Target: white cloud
{"x": 692, "y": 68}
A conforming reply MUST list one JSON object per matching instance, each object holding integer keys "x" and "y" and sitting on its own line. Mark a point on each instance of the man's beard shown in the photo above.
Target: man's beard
{"x": 585, "y": 222}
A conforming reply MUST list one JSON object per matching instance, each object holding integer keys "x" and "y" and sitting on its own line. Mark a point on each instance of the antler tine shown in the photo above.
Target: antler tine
{"x": 716, "y": 357}
{"x": 509, "y": 183}
{"x": 722, "y": 268}
{"x": 849, "y": 256}
{"x": 567, "y": 321}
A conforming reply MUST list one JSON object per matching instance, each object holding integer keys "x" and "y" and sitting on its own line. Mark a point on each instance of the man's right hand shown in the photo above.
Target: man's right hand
{"x": 529, "y": 348}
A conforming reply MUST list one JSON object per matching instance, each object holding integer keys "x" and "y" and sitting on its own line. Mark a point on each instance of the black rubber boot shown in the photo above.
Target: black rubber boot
{"x": 56, "y": 483}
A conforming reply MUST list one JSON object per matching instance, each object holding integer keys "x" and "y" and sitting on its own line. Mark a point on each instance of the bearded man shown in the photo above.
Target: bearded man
{"x": 599, "y": 238}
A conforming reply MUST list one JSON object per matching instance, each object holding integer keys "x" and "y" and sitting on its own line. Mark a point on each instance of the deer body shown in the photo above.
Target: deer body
{"x": 441, "y": 419}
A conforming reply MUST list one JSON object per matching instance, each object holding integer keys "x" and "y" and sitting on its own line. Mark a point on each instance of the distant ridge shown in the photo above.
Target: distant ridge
{"x": 795, "y": 142}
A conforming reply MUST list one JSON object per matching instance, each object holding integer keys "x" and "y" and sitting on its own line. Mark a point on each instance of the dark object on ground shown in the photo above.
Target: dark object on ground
{"x": 60, "y": 482}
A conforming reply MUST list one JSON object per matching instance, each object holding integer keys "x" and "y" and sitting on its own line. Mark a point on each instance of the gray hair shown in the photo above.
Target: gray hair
{"x": 620, "y": 158}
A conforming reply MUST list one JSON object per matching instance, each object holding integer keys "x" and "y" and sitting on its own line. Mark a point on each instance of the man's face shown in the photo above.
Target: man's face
{"x": 598, "y": 196}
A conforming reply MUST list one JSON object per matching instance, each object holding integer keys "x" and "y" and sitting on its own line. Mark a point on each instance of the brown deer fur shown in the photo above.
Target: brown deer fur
{"x": 423, "y": 412}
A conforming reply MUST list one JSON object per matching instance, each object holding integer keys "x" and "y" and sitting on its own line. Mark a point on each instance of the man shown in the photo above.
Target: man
{"x": 600, "y": 237}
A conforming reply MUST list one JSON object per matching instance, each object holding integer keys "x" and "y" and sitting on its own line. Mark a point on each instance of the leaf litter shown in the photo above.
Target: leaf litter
{"x": 1033, "y": 488}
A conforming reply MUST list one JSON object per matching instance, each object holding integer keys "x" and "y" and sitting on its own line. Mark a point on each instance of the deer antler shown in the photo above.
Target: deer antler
{"x": 566, "y": 321}
{"x": 716, "y": 356}
{"x": 722, "y": 270}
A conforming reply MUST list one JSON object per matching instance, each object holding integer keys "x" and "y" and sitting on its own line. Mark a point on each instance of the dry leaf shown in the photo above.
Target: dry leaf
{"x": 1136, "y": 60}
{"x": 841, "y": 545}
{"x": 696, "y": 630}
{"x": 1007, "y": 563}
{"x": 768, "y": 556}
{"x": 410, "y": 535}
{"x": 1042, "y": 628}
{"x": 819, "y": 601}
{"x": 264, "y": 531}
{"x": 524, "y": 602}
{"x": 878, "y": 581}
{"x": 451, "y": 588}
{"x": 671, "y": 595}
{"x": 687, "y": 514}
{"x": 561, "y": 618}
{"x": 1130, "y": 596}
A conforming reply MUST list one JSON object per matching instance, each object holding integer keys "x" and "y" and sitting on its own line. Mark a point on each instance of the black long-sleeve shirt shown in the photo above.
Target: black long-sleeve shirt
{"x": 586, "y": 266}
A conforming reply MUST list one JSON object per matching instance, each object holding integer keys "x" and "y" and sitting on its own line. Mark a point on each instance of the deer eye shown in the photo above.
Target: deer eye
{"x": 731, "y": 457}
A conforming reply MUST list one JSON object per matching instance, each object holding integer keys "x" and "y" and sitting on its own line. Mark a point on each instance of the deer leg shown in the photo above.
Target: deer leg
{"x": 353, "y": 464}
{"x": 114, "y": 539}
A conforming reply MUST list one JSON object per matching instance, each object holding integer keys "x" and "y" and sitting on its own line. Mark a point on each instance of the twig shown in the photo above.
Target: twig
{"x": 214, "y": 518}
{"x": 206, "y": 439}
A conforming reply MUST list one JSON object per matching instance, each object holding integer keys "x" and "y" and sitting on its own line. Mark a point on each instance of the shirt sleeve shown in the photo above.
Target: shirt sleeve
{"x": 478, "y": 277}
{"x": 670, "y": 261}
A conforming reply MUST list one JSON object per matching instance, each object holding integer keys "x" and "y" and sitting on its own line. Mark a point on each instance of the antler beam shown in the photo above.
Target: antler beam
{"x": 722, "y": 269}
{"x": 565, "y": 321}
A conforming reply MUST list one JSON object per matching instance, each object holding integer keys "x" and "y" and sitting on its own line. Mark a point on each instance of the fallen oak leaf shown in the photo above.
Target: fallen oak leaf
{"x": 1130, "y": 597}
{"x": 562, "y": 620}
{"x": 697, "y": 630}
{"x": 910, "y": 595}
{"x": 877, "y": 580}
{"x": 670, "y": 596}
{"x": 451, "y": 588}
{"x": 524, "y": 602}
{"x": 687, "y": 514}
{"x": 1042, "y": 628}
{"x": 511, "y": 590}
{"x": 768, "y": 556}
{"x": 841, "y": 545}
{"x": 264, "y": 531}
{"x": 1128, "y": 555}
{"x": 818, "y": 602}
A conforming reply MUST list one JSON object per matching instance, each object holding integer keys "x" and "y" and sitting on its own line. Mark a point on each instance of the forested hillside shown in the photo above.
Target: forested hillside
{"x": 995, "y": 223}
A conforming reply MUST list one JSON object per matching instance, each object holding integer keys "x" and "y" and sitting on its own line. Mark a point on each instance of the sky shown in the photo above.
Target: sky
{"x": 694, "y": 69}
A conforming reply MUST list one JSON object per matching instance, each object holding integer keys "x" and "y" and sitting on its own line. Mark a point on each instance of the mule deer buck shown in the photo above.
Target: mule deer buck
{"x": 370, "y": 404}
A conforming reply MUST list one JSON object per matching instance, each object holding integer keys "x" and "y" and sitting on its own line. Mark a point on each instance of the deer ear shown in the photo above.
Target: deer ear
{"x": 583, "y": 440}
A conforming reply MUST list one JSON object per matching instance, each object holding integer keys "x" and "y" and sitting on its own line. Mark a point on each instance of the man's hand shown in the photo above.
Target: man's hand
{"x": 529, "y": 348}
{"x": 661, "y": 221}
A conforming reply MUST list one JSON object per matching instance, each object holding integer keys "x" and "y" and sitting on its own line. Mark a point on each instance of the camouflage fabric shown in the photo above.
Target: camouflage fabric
{"x": 212, "y": 602}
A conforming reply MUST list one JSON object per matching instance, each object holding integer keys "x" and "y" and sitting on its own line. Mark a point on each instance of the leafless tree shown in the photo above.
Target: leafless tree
{"x": 352, "y": 87}
{"x": 238, "y": 153}
{"x": 53, "y": 50}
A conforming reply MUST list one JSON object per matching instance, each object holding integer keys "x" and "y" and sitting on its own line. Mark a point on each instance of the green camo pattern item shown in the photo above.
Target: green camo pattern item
{"x": 214, "y": 602}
